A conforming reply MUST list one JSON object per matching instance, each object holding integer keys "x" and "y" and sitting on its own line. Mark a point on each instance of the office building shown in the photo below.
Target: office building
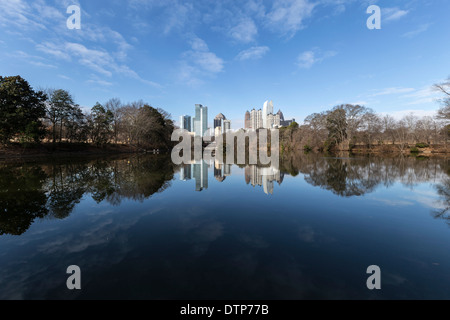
{"x": 226, "y": 126}
{"x": 248, "y": 123}
{"x": 219, "y": 124}
{"x": 200, "y": 121}
{"x": 185, "y": 123}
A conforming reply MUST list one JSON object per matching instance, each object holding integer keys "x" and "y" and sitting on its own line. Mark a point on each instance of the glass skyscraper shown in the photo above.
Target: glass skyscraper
{"x": 200, "y": 122}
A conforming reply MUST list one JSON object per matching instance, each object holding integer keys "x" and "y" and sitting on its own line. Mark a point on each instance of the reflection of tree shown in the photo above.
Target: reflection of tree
{"x": 30, "y": 192}
{"x": 346, "y": 176}
{"x": 22, "y": 198}
{"x": 443, "y": 191}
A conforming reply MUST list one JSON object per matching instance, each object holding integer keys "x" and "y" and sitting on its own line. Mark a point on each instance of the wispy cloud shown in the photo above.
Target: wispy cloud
{"x": 199, "y": 62}
{"x": 425, "y": 95}
{"x": 309, "y": 58}
{"x": 392, "y": 14}
{"x": 98, "y": 60}
{"x": 287, "y": 16}
{"x": 253, "y": 53}
{"x": 422, "y": 28}
{"x": 245, "y": 31}
{"x": 391, "y": 91}
{"x": 398, "y": 115}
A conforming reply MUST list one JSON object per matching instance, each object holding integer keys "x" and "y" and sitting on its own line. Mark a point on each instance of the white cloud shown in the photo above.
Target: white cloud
{"x": 198, "y": 63}
{"x": 100, "y": 82}
{"x": 253, "y": 53}
{"x": 245, "y": 31}
{"x": 393, "y": 90}
{"x": 398, "y": 115}
{"x": 391, "y": 14}
{"x": 97, "y": 60}
{"x": 287, "y": 16}
{"x": 422, "y": 28}
{"x": 308, "y": 58}
{"x": 425, "y": 95}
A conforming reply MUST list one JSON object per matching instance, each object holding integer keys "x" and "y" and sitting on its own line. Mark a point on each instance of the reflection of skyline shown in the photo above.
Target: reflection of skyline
{"x": 221, "y": 171}
{"x": 197, "y": 171}
{"x": 264, "y": 177}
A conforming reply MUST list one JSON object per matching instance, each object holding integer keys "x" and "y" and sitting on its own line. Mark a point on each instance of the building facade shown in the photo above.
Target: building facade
{"x": 200, "y": 122}
{"x": 256, "y": 119}
{"x": 219, "y": 124}
{"x": 265, "y": 118}
{"x": 185, "y": 123}
{"x": 226, "y": 126}
{"x": 248, "y": 123}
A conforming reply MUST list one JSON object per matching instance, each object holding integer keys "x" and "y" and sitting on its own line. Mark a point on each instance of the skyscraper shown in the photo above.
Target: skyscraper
{"x": 267, "y": 109}
{"x": 200, "y": 122}
{"x": 185, "y": 123}
{"x": 226, "y": 126}
{"x": 248, "y": 123}
{"x": 219, "y": 124}
{"x": 256, "y": 119}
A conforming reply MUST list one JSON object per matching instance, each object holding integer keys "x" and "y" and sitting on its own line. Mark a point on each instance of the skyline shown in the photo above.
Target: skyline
{"x": 306, "y": 55}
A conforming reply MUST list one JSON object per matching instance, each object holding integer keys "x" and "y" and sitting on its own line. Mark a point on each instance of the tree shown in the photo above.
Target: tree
{"x": 114, "y": 106}
{"x": 444, "y": 111}
{"x": 388, "y": 125}
{"x": 100, "y": 124}
{"x": 21, "y": 110}
{"x": 337, "y": 126}
{"x": 76, "y": 125}
{"x": 59, "y": 108}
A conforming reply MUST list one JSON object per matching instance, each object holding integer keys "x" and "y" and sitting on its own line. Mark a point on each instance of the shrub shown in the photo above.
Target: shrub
{"x": 422, "y": 145}
{"x": 414, "y": 150}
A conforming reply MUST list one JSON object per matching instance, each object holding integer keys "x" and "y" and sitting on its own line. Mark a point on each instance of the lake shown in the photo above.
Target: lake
{"x": 140, "y": 227}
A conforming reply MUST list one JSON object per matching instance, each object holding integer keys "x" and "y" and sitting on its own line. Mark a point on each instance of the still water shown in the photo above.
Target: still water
{"x": 141, "y": 228}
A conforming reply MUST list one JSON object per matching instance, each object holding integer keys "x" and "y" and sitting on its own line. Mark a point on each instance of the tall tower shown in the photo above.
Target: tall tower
{"x": 248, "y": 123}
{"x": 200, "y": 122}
{"x": 218, "y": 124}
{"x": 226, "y": 125}
{"x": 185, "y": 123}
{"x": 267, "y": 109}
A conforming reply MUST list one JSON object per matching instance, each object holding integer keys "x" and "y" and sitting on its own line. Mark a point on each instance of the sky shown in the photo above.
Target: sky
{"x": 305, "y": 55}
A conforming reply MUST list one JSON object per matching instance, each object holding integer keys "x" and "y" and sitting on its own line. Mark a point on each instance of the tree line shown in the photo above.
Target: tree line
{"x": 347, "y": 126}
{"x": 51, "y": 115}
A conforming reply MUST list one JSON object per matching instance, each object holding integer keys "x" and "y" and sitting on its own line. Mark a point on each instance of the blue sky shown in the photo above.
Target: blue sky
{"x": 305, "y": 55}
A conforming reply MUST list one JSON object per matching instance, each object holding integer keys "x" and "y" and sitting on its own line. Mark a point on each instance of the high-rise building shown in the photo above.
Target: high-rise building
{"x": 226, "y": 126}
{"x": 219, "y": 124}
{"x": 248, "y": 123}
{"x": 265, "y": 118}
{"x": 267, "y": 110}
{"x": 185, "y": 123}
{"x": 200, "y": 122}
{"x": 256, "y": 119}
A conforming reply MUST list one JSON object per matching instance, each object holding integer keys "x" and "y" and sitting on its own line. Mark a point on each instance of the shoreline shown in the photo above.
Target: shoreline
{"x": 42, "y": 151}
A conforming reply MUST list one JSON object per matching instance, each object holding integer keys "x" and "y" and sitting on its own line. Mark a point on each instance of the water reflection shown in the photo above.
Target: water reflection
{"x": 343, "y": 176}
{"x": 34, "y": 191}
{"x": 313, "y": 237}
{"x": 31, "y": 191}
